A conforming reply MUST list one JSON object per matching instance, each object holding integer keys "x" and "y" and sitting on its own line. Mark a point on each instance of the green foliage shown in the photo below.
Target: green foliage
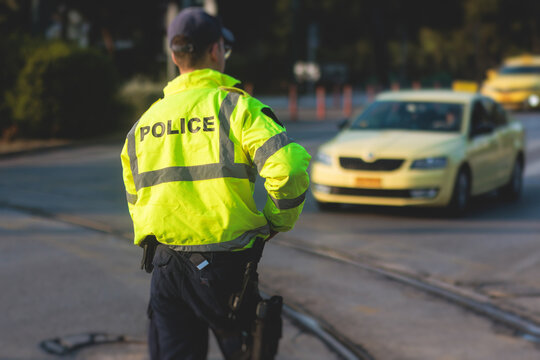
{"x": 378, "y": 41}
{"x": 14, "y": 49}
{"x": 140, "y": 93}
{"x": 66, "y": 92}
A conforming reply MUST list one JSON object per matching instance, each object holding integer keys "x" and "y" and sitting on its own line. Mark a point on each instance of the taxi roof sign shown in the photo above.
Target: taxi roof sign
{"x": 465, "y": 86}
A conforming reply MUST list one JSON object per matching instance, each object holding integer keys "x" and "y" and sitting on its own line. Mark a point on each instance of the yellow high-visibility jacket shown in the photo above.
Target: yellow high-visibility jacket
{"x": 190, "y": 164}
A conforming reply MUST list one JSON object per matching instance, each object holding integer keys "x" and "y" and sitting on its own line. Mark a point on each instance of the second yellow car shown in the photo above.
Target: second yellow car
{"x": 516, "y": 85}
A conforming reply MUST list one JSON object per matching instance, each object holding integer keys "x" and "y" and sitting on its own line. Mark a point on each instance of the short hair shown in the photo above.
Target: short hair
{"x": 188, "y": 54}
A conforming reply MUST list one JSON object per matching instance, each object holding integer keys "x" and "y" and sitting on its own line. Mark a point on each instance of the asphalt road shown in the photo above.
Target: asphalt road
{"x": 494, "y": 253}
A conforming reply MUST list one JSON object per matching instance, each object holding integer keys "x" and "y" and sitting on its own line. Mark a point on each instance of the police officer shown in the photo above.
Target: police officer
{"x": 189, "y": 167}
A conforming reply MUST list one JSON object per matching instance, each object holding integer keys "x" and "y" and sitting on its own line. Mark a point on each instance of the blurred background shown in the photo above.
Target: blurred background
{"x": 110, "y": 57}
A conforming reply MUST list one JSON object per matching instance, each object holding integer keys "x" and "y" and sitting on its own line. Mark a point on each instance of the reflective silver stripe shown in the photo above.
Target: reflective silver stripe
{"x": 132, "y": 151}
{"x": 226, "y": 146}
{"x": 238, "y": 243}
{"x": 131, "y": 198}
{"x": 194, "y": 173}
{"x": 225, "y": 168}
{"x": 284, "y": 204}
{"x": 269, "y": 148}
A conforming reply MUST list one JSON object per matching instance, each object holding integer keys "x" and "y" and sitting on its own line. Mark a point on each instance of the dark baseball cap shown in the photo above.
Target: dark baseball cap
{"x": 200, "y": 27}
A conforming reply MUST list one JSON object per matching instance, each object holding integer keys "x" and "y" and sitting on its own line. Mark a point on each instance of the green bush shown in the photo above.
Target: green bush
{"x": 140, "y": 92}
{"x": 64, "y": 91}
{"x": 14, "y": 48}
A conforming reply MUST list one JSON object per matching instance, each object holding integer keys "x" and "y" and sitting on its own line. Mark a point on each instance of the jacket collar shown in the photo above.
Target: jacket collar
{"x": 199, "y": 79}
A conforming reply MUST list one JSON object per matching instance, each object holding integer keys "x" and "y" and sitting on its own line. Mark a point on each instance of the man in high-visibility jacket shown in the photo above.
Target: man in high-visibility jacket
{"x": 189, "y": 167}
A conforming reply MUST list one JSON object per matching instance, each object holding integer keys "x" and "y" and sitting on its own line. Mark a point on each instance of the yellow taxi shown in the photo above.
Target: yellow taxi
{"x": 516, "y": 85}
{"x": 421, "y": 148}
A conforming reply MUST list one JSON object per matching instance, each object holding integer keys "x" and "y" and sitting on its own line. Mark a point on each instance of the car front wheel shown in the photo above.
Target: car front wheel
{"x": 461, "y": 195}
{"x": 512, "y": 190}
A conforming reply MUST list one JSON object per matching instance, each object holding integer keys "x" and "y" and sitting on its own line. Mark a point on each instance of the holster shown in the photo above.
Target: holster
{"x": 149, "y": 246}
{"x": 267, "y": 329}
{"x": 265, "y": 324}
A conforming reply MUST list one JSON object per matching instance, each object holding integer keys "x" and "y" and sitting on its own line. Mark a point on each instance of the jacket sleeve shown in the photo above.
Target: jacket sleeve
{"x": 128, "y": 167}
{"x": 280, "y": 161}
{"x": 129, "y": 183}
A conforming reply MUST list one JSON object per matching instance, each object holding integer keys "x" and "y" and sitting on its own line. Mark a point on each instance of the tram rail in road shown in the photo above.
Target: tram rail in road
{"x": 523, "y": 327}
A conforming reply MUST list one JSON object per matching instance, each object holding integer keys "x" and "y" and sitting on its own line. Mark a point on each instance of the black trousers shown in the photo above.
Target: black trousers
{"x": 185, "y": 302}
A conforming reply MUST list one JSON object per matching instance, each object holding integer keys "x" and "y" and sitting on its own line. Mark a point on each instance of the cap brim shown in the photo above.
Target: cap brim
{"x": 227, "y": 35}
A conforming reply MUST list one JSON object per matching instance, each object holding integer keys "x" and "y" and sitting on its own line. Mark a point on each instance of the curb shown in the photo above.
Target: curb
{"x": 68, "y": 144}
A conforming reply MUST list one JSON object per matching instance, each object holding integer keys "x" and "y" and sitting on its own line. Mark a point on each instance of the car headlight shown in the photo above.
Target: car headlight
{"x": 430, "y": 163}
{"x": 533, "y": 100}
{"x": 323, "y": 158}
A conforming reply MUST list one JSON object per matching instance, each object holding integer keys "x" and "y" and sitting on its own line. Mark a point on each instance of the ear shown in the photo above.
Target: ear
{"x": 174, "y": 59}
{"x": 214, "y": 52}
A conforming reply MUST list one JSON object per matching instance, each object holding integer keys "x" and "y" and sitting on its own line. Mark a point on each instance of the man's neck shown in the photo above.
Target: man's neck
{"x": 185, "y": 70}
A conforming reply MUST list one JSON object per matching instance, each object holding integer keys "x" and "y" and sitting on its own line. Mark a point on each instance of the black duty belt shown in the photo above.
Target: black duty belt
{"x": 203, "y": 259}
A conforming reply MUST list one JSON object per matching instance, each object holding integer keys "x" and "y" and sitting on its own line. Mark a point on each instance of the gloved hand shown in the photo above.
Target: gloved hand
{"x": 272, "y": 234}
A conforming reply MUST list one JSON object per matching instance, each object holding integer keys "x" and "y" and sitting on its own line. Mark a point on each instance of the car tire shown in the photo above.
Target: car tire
{"x": 327, "y": 206}
{"x": 461, "y": 195}
{"x": 513, "y": 189}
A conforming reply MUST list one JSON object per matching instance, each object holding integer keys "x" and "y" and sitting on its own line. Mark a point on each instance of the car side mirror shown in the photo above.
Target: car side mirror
{"x": 342, "y": 124}
{"x": 483, "y": 128}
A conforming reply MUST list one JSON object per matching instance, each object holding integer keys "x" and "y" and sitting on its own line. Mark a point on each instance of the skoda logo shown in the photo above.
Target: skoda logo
{"x": 369, "y": 157}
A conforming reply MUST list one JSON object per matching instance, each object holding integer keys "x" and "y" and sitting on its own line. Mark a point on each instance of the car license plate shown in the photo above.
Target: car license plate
{"x": 368, "y": 182}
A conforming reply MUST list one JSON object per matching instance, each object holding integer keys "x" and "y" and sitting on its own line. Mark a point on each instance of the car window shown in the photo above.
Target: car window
{"x": 519, "y": 70}
{"x": 501, "y": 117}
{"x": 478, "y": 116}
{"x": 410, "y": 115}
{"x": 482, "y": 117}
{"x": 489, "y": 106}
{"x": 495, "y": 113}
{"x": 491, "y": 110}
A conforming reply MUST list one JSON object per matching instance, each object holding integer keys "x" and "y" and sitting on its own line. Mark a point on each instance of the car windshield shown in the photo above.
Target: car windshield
{"x": 410, "y": 115}
{"x": 520, "y": 70}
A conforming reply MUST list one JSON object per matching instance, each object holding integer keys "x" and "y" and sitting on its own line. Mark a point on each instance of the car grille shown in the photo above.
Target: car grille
{"x": 377, "y": 165}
